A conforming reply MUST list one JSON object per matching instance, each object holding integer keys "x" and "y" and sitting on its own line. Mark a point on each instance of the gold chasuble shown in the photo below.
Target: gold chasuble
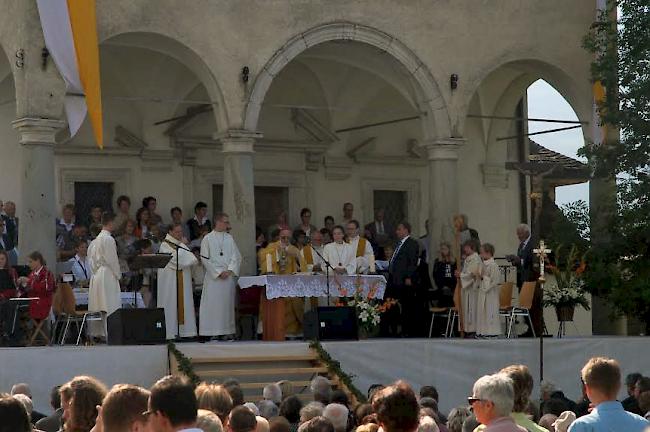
{"x": 308, "y": 255}
{"x": 361, "y": 247}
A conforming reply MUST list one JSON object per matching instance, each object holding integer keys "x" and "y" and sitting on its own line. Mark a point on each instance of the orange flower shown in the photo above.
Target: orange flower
{"x": 581, "y": 268}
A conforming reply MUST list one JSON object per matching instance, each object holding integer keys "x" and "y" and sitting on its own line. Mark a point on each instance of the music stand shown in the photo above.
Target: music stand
{"x": 147, "y": 261}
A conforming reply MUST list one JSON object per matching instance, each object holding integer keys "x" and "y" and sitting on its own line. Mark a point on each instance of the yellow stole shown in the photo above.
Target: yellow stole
{"x": 308, "y": 254}
{"x": 361, "y": 247}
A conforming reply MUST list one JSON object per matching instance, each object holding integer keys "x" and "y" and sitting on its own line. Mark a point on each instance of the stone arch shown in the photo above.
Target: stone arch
{"x": 430, "y": 102}
{"x": 184, "y": 54}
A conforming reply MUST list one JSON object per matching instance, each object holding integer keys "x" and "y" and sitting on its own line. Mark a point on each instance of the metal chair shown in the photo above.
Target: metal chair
{"x": 440, "y": 311}
{"x": 525, "y": 304}
{"x": 505, "y": 301}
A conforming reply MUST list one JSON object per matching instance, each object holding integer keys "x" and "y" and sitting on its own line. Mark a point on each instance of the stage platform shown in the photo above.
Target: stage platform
{"x": 450, "y": 364}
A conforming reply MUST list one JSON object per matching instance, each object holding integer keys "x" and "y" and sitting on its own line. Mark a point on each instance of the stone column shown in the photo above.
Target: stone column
{"x": 38, "y": 212}
{"x": 443, "y": 191}
{"x": 239, "y": 192}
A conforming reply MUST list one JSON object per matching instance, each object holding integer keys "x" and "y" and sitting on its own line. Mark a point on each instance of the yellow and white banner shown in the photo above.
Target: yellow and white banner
{"x": 70, "y": 30}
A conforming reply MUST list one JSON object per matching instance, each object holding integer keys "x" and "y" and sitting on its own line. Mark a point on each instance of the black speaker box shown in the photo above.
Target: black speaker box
{"x": 136, "y": 327}
{"x": 331, "y": 323}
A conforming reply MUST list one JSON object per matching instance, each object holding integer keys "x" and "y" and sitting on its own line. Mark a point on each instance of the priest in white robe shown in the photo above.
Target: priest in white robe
{"x": 340, "y": 254}
{"x": 104, "y": 292}
{"x": 364, "y": 255}
{"x": 470, "y": 279}
{"x": 221, "y": 259}
{"x": 176, "y": 297}
{"x": 488, "y": 323}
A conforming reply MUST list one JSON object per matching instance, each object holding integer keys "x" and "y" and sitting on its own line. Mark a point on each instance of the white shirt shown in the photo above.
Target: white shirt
{"x": 341, "y": 255}
{"x": 81, "y": 268}
{"x": 68, "y": 226}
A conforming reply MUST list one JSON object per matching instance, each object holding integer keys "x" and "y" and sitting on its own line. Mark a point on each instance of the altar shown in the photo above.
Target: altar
{"x": 279, "y": 287}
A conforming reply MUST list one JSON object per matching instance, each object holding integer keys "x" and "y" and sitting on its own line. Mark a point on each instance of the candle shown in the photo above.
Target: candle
{"x": 269, "y": 264}
{"x": 372, "y": 264}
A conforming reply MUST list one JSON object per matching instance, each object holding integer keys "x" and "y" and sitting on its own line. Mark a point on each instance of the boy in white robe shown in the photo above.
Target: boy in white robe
{"x": 221, "y": 259}
{"x": 104, "y": 291}
{"x": 179, "y": 321}
{"x": 488, "y": 323}
{"x": 470, "y": 279}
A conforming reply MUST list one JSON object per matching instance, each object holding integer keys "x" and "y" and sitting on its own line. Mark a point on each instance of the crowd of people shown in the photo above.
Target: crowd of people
{"x": 499, "y": 402}
{"x": 99, "y": 251}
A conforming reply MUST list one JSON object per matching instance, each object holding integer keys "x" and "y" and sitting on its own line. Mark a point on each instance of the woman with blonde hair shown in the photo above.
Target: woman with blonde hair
{"x": 444, "y": 268}
{"x": 207, "y": 421}
{"x": 215, "y": 398}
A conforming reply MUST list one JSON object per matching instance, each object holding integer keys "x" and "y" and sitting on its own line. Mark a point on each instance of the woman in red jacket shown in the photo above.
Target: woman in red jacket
{"x": 8, "y": 280}
{"x": 40, "y": 283}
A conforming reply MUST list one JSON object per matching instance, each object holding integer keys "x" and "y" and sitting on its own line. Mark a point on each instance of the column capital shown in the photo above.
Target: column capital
{"x": 37, "y": 131}
{"x": 443, "y": 148}
{"x": 237, "y": 140}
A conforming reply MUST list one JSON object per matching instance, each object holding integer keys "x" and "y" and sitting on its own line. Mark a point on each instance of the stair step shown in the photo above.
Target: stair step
{"x": 266, "y": 371}
{"x": 295, "y": 384}
{"x": 204, "y": 360}
{"x": 304, "y": 397}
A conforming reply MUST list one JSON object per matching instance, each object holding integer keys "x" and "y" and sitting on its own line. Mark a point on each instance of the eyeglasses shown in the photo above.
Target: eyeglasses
{"x": 472, "y": 400}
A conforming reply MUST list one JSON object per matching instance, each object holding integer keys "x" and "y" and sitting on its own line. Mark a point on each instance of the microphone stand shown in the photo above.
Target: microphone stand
{"x": 328, "y": 266}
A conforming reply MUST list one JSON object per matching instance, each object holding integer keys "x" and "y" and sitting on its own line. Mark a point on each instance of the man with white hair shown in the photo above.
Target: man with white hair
{"x": 268, "y": 409}
{"x": 427, "y": 424}
{"x": 338, "y": 415}
{"x": 321, "y": 389}
{"x": 525, "y": 263}
{"x": 492, "y": 401}
{"x": 24, "y": 389}
{"x": 273, "y": 392}
{"x": 262, "y": 424}
{"x": 310, "y": 411}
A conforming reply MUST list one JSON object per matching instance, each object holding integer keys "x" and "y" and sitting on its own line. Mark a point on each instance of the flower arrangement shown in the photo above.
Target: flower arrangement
{"x": 368, "y": 308}
{"x": 568, "y": 290}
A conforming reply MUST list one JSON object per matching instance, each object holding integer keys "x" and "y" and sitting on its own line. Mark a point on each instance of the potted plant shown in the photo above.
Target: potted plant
{"x": 369, "y": 309}
{"x": 568, "y": 289}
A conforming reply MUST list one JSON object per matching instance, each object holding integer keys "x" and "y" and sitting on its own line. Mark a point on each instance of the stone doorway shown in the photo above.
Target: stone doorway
{"x": 90, "y": 194}
{"x": 270, "y": 201}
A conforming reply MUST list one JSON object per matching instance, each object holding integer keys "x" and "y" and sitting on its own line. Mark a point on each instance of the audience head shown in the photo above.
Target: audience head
{"x": 235, "y": 391}
{"x": 642, "y": 385}
{"x": 123, "y": 408}
{"x": 368, "y": 427}
{"x": 287, "y": 388}
{"x": 283, "y": 219}
{"x": 630, "y": 382}
{"x": 340, "y": 397}
{"x": 221, "y": 222}
{"x": 81, "y": 247}
{"x": 564, "y": 421}
{"x": 215, "y": 398}
{"x": 321, "y": 389}
{"x": 251, "y": 406}
{"x": 602, "y": 378}
{"x": 522, "y": 382}
{"x": 397, "y": 408}
{"x": 327, "y": 236}
{"x": 487, "y": 251}
{"x": 298, "y": 237}
{"x": 352, "y": 228}
{"x": 268, "y": 409}
{"x": 338, "y": 415}
{"x": 493, "y": 397}
{"x": 27, "y": 403}
{"x": 523, "y": 232}
{"x": 35, "y": 261}
{"x": 177, "y": 214}
{"x": 107, "y": 221}
{"x": 21, "y": 388}
{"x": 445, "y": 254}
{"x": 403, "y": 230}
{"x": 149, "y": 203}
{"x": 469, "y": 247}
{"x": 317, "y": 424}
{"x": 172, "y": 404}
{"x": 68, "y": 213}
{"x": 4, "y": 257}
{"x": 272, "y": 392}
{"x": 457, "y": 417}
{"x": 200, "y": 210}
{"x": 338, "y": 234}
{"x": 547, "y": 388}
{"x": 10, "y": 208}
{"x": 374, "y": 389}
{"x": 547, "y": 421}
{"x": 279, "y": 424}
{"x": 470, "y": 424}
{"x": 644, "y": 402}
{"x": 348, "y": 210}
{"x": 123, "y": 203}
{"x": 329, "y": 223}
{"x": 362, "y": 411}
{"x": 82, "y": 396}
{"x": 13, "y": 414}
{"x": 241, "y": 419}
{"x": 55, "y": 397}
{"x": 554, "y": 406}
{"x": 310, "y": 411}
{"x": 305, "y": 216}
{"x": 208, "y": 421}
{"x": 290, "y": 409}
{"x": 262, "y": 424}
{"x": 427, "y": 424}
{"x": 429, "y": 392}
{"x": 379, "y": 214}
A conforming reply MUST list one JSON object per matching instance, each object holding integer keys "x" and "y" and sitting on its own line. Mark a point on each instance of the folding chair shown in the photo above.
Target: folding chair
{"x": 505, "y": 301}
{"x": 38, "y": 329}
{"x": 21, "y": 303}
{"x": 440, "y": 311}
{"x": 72, "y": 315}
{"x": 454, "y": 311}
{"x": 525, "y": 304}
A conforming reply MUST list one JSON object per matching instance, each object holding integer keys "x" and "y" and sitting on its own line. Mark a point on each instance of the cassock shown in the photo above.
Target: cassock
{"x": 178, "y": 305}
{"x": 470, "y": 287}
{"x": 104, "y": 291}
{"x": 341, "y": 255}
{"x": 217, "y": 310}
{"x": 365, "y": 256}
{"x": 274, "y": 260}
{"x": 487, "y": 310}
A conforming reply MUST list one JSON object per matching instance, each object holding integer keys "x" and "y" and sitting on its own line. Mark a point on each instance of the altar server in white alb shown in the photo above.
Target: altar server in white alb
{"x": 488, "y": 323}
{"x": 340, "y": 254}
{"x": 104, "y": 292}
{"x": 221, "y": 259}
{"x": 364, "y": 255}
{"x": 176, "y": 298}
{"x": 470, "y": 279}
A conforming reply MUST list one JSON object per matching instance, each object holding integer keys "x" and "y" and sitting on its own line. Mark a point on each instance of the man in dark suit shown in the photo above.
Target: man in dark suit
{"x": 52, "y": 423}
{"x": 402, "y": 284}
{"x": 10, "y": 234}
{"x": 525, "y": 261}
{"x": 380, "y": 232}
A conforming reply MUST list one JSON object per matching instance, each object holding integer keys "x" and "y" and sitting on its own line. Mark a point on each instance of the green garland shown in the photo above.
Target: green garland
{"x": 334, "y": 366}
{"x": 184, "y": 364}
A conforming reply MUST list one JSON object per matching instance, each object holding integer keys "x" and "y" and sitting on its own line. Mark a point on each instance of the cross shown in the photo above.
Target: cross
{"x": 541, "y": 252}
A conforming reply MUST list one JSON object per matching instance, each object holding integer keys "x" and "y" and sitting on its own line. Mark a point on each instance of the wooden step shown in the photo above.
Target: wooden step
{"x": 267, "y": 371}
{"x": 207, "y": 360}
{"x": 304, "y": 397}
{"x": 295, "y": 384}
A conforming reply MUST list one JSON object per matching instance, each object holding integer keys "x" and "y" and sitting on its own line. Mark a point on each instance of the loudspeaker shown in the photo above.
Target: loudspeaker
{"x": 136, "y": 327}
{"x": 331, "y": 323}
